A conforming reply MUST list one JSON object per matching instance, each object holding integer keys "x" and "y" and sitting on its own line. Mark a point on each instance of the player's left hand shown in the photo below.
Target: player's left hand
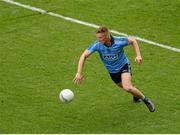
{"x": 138, "y": 59}
{"x": 78, "y": 78}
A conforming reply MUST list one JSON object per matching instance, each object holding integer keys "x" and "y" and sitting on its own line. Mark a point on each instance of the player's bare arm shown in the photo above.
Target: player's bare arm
{"x": 135, "y": 45}
{"x": 79, "y": 75}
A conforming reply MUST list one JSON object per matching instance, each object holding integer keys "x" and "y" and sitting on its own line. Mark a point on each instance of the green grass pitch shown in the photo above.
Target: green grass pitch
{"x": 39, "y": 55}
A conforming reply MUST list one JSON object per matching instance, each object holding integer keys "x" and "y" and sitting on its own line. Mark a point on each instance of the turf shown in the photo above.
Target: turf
{"x": 39, "y": 55}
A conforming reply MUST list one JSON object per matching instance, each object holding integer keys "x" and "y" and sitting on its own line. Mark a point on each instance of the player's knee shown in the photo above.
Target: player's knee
{"x": 127, "y": 88}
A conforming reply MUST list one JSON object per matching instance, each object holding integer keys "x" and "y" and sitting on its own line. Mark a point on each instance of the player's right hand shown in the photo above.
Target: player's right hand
{"x": 138, "y": 59}
{"x": 78, "y": 78}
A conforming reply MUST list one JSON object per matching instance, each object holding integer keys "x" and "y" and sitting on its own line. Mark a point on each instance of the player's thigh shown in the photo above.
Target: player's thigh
{"x": 126, "y": 79}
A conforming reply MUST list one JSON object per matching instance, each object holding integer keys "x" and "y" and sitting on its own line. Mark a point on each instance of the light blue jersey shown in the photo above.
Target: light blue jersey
{"x": 113, "y": 57}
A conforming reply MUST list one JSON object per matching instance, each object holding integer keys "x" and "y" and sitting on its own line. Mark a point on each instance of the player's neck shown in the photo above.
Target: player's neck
{"x": 108, "y": 43}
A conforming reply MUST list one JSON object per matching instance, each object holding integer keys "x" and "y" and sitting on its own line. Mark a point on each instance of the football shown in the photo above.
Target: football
{"x": 66, "y": 95}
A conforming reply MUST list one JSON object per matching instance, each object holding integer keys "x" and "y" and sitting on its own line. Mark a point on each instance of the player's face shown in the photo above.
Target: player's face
{"x": 103, "y": 37}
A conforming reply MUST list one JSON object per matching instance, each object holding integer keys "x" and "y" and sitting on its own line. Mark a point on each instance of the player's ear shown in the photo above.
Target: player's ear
{"x": 108, "y": 35}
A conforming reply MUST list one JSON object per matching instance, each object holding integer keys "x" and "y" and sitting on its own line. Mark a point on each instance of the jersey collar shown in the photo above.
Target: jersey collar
{"x": 112, "y": 41}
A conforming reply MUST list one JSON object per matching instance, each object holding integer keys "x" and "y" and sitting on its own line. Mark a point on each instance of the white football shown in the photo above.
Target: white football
{"x": 66, "y": 95}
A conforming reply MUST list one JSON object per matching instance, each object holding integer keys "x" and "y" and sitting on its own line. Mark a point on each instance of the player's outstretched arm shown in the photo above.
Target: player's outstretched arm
{"x": 79, "y": 75}
{"x": 135, "y": 45}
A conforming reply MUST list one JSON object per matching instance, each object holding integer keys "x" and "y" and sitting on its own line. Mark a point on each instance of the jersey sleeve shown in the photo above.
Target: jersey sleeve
{"x": 92, "y": 48}
{"x": 124, "y": 41}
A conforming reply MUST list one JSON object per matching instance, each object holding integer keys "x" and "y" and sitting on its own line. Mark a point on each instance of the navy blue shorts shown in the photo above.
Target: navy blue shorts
{"x": 116, "y": 77}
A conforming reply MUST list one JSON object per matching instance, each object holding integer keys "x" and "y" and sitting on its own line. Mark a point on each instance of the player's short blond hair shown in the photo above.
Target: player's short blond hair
{"x": 102, "y": 29}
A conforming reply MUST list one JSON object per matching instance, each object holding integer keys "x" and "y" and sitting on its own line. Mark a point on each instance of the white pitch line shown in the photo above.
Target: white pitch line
{"x": 88, "y": 24}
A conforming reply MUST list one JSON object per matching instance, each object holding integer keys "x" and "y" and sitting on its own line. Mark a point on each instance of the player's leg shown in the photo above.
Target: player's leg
{"x": 135, "y": 99}
{"x": 127, "y": 86}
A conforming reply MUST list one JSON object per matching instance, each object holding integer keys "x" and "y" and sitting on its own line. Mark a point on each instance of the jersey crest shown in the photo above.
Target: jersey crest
{"x": 110, "y": 57}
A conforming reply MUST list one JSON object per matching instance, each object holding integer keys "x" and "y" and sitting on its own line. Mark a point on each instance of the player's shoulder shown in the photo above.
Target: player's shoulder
{"x": 93, "y": 47}
{"x": 95, "y": 43}
{"x": 123, "y": 40}
{"x": 120, "y": 38}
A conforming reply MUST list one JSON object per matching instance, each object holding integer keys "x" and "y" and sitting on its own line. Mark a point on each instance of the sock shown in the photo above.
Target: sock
{"x": 145, "y": 99}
